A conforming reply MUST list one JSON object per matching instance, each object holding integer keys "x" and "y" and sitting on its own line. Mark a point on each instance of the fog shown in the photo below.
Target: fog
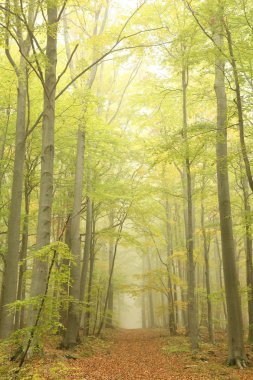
{"x": 129, "y": 312}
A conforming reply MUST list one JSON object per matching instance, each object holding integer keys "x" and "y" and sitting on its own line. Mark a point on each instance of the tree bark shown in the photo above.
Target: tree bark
{"x": 40, "y": 267}
{"x": 248, "y": 250}
{"x": 235, "y": 328}
{"x": 89, "y": 290}
{"x": 207, "y": 275}
{"x": 19, "y": 317}
{"x": 191, "y": 294}
{"x": 151, "y": 310}
{"x": 171, "y": 305}
{"x": 109, "y": 319}
{"x": 10, "y": 277}
{"x": 71, "y": 336}
{"x": 87, "y": 247}
{"x": 239, "y": 107}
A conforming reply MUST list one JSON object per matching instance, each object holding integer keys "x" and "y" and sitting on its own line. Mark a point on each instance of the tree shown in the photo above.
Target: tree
{"x": 235, "y": 328}
{"x": 10, "y": 280}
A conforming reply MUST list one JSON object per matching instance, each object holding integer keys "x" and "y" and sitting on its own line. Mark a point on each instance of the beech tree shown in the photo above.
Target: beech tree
{"x": 125, "y": 126}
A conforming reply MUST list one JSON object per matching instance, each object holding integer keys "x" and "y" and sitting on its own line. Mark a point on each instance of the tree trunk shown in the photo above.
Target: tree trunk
{"x": 207, "y": 275}
{"x": 66, "y": 285}
{"x": 109, "y": 319}
{"x": 87, "y": 249}
{"x": 143, "y": 312}
{"x": 40, "y": 267}
{"x": 171, "y": 306}
{"x": 10, "y": 277}
{"x": 71, "y": 336}
{"x": 248, "y": 250}
{"x": 191, "y": 295}
{"x": 20, "y": 318}
{"x": 151, "y": 311}
{"x": 89, "y": 292}
{"x": 103, "y": 313}
{"x": 220, "y": 275}
{"x": 235, "y": 328}
{"x": 239, "y": 108}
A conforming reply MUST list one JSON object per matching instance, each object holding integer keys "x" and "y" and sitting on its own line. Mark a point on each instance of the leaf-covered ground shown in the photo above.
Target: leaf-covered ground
{"x": 133, "y": 355}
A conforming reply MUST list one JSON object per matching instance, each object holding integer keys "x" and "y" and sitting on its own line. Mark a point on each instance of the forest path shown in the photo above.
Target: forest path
{"x": 135, "y": 354}
{"x": 138, "y": 354}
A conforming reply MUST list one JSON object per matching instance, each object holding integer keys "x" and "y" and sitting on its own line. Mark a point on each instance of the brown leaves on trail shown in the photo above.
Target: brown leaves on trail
{"x": 136, "y": 355}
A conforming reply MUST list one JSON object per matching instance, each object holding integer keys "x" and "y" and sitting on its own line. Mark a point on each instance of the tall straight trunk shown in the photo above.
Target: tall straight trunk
{"x": 19, "y": 318}
{"x": 191, "y": 293}
{"x": 239, "y": 107}
{"x": 179, "y": 233}
{"x": 10, "y": 276}
{"x": 207, "y": 275}
{"x": 66, "y": 285}
{"x": 248, "y": 250}
{"x": 151, "y": 311}
{"x": 235, "y": 329}
{"x": 3, "y": 146}
{"x": 87, "y": 248}
{"x": 103, "y": 312}
{"x": 220, "y": 275}
{"x": 143, "y": 312}
{"x": 89, "y": 290}
{"x": 109, "y": 321}
{"x": 144, "y": 319}
{"x": 40, "y": 267}
{"x": 171, "y": 305}
{"x": 71, "y": 336}
{"x": 249, "y": 177}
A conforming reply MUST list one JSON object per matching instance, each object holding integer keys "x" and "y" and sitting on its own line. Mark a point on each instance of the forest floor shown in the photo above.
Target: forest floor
{"x": 134, "y": 355}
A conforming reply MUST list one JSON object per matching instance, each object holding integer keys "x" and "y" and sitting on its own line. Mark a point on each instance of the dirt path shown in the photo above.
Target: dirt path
{"x": 134, "y": 355}
{"x": 138, "y": 354}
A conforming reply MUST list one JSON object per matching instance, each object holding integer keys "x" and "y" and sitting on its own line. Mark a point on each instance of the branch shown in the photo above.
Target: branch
{"x": 128, "y": 20}
{"x": 67, "y": 65}
{"x": 32, "y": 333}
{"x": 131, "y": 78}
{"x": 203, "y": 29}
{"x": 20, "y": 50}
{"x": 62, "y": 10}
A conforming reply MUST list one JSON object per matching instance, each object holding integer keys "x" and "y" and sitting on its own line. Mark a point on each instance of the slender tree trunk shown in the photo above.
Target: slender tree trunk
{"x": 109, "y": 322}
{"x": 235, "y": 328}
{"x": 10, "y": 277}
{"x": 87, "y": 248}
{"x": 151, "y": 310}
{"x": 221, "y": 276}
{"x": 248, "y": 249}
{"x": 207, "y": 275}
{"x": 20, "y": 318}
{"x": 172, "y": 322}
{"x": 71, "y": 336}
{"x": 143, "y": 312}
{"x": 239, "y": 107}
{"x": 66, "y": 285}
{"x": 40, "y": 267}
{"x": 192, "y": 303}
{"x": 89, "y": 290}
{"x": 3, "y": 146}
{"x": 103, "y": 313}
{"x": 179, "y": 264}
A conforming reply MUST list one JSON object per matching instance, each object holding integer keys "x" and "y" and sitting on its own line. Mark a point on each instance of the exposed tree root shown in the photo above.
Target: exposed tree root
{"x": 240, "y": 363}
